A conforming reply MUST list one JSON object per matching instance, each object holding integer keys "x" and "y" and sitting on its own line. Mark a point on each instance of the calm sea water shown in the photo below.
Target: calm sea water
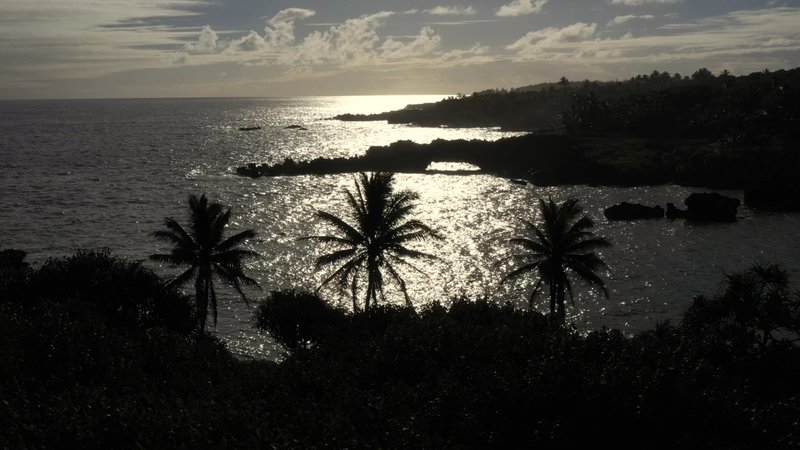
{"x": 104, "y": 173}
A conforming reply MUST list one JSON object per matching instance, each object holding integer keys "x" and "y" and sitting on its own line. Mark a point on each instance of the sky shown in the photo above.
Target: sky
{"x": 275, "y": 48}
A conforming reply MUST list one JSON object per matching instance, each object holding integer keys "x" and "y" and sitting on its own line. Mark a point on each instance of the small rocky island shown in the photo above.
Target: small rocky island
{"x": 701, "y": 207}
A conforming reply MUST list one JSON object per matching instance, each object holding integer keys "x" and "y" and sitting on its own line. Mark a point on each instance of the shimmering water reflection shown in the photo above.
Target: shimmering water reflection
{"x": 78, "y": 175}
{"x": 656, "y": 266}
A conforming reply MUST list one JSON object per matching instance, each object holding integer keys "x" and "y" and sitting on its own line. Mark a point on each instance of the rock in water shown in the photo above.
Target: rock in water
{"x": 711, "y": 207}
{"x": 633, "y": 211}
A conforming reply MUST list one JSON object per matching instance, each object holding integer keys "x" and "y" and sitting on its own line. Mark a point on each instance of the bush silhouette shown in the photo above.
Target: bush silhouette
{"x": 125, "y": 292}
{"x": 296, "y": 319}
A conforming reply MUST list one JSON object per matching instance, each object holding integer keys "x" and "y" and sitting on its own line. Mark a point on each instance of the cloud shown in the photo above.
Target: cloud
{"x": 423, "y": 44}
{"x": 745, "y": 40}
{"x": 252, "y": 42}
{"x": 461, "y": 22}
{"x": 619, "y": 20}
{"x": 279, "y": 32}
{"x": 47, "y": 40}
{"x": 645, "y": 2}
{"x": 538, "y": 43}
{"x": 452, "y": 11}
{"x": 521, "y": 8}
{"x": 207, "y": 43}
{"x": 354, "y": 41}
{"x": 478, "y": 54}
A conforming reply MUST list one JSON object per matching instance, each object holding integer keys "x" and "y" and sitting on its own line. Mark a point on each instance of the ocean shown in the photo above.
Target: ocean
{"x": 89, "y": 174}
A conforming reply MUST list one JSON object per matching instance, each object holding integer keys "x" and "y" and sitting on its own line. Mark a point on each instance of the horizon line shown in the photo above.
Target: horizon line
{"x": 268, "y": 97}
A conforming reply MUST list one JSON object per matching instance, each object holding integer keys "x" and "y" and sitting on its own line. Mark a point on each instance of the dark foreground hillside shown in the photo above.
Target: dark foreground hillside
{"x": 90, "y": 361}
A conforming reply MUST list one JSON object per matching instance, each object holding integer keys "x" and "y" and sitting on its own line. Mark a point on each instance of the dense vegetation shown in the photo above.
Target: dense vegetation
{"x": 734, "y": 109}
{"x": 91, "y": 362}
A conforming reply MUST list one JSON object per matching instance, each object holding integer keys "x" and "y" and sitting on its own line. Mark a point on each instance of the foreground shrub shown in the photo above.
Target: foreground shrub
{"x": 71, "y": 377}
{"x": 472, "y": 374}
{"x": 297, "y": 319}
{"x": 123, "y": 291}
{"x": 755, "y": 309}
{"x": 13, "y": 273}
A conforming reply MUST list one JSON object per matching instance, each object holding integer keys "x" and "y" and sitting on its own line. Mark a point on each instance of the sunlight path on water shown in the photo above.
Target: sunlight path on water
{"x": 91, "y": 174}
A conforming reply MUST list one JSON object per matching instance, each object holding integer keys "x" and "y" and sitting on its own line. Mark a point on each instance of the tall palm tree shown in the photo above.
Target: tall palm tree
{"x": 374, "y": 244}
{"x": 207, "y": 254}
{"x": 559, "y": 249}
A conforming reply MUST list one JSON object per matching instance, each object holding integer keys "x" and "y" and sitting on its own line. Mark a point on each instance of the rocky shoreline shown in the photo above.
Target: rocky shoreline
{"x": 766, "y": 177}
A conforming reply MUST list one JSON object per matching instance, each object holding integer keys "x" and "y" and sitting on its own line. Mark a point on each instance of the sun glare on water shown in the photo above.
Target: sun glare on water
{"x": 373, "y": 104}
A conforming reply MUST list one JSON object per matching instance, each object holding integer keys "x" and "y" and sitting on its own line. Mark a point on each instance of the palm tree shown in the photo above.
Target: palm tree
{"x": 561, "y": 248}
{"x": 204, "y": 250}
{"x": 374, "y": 244}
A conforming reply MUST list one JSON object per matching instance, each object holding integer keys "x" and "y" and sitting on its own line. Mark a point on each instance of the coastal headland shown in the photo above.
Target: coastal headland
{"x": 723, "y": 132}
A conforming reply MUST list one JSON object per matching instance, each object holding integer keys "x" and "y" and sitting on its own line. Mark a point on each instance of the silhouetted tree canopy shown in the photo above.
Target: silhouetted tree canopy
{"x": 208, "y": 254}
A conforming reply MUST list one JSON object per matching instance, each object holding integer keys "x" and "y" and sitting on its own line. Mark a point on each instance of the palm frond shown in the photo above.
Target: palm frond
{"x": 344, "y": 271}
{"x": 171, "y": 259}
{"x": 516, "y": 273}
{"x": 401, "y": 250}
{"x": 344, "y": 227}
{"x": 536, "y": 287}
{"x": 530, "y": 244}
{"x": 400, "y": 282}
{"x": 329, "y": 240}
{"x": 233, "y": 257}
{"x": 236, "y": 279}
{"x": 173, "y": 226}
{"x": 586, "y": 245}
{"x": 404, "y": 263}
{"x": 592, "y": 278}
{"x": 217, "y": 228}
{"x": 334, "y": 257}
{"x": 518, "y": 257}
{"x": 235, "y": 240}
{"x": 183, "y": 277}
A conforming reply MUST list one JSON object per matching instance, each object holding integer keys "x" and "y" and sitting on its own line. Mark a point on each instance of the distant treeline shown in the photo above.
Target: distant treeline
{"x": 727, "y": 107}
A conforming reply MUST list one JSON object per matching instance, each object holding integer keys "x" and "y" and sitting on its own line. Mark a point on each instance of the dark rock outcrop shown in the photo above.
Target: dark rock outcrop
{"x": 249, "y": 128}
{"x": 675, "y": 213}
{"x": 711, "y": 207}
{"x": 633, "y": 211}
{"x": 296, "y": 127}
{"x": 557, "y": 160}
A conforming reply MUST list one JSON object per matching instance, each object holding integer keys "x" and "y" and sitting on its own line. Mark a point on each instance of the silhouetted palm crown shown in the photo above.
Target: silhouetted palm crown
{"x": 374, "y": 244}
{"x": 203, "y": 248}
{"x": 560, "y": 248}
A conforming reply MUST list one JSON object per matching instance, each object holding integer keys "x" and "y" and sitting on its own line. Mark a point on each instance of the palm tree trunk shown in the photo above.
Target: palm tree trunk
{"x": 201, "y": 299}
{"x": 372, "y": 274}
{"x": 369, "y": 291}
{"x": 552, "y": 299}
{"x": 560, "y": 300}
